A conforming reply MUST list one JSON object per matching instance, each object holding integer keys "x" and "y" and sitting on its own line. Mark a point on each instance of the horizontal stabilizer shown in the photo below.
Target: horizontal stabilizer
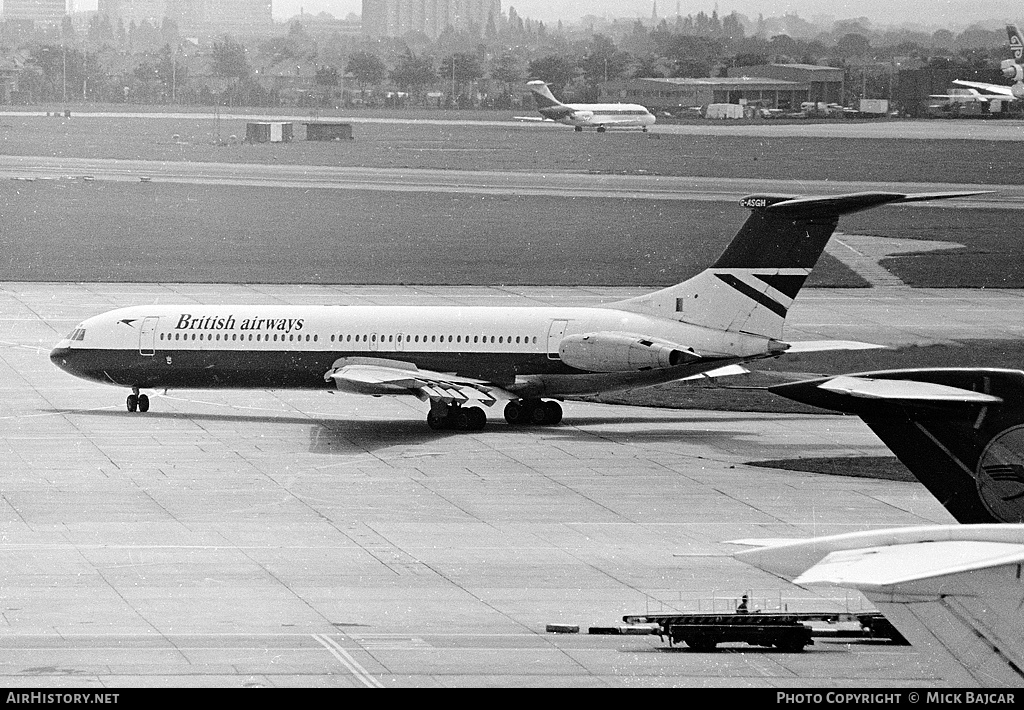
{"x": 953, "y": 591}
{"x": 837, "y": 205}
{"x": 879, "y": 567}
{"x": 790, "y": 559}
{"x": 817, "y": 346}
{"x": 906, "y": 390}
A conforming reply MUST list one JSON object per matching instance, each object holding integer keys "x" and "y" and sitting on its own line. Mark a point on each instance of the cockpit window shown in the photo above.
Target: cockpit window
{"x": 77, "y": 334}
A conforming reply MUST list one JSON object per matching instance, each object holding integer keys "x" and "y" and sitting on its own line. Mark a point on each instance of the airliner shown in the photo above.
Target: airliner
{"x": 1011, "y": 69}
{"x": 580, "y": 116}
{"x": 456, "y": 358}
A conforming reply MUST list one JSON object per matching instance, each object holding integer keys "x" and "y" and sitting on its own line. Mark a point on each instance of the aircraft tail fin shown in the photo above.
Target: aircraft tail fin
{"x": 1016, "y": 43}
{"x": 960, "y": 431}
{"x": 542, "y": 95}
{"x": 755, "y": 281}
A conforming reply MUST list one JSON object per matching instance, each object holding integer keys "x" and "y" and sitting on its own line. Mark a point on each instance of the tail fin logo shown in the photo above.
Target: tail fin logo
{"x": 1000, "y": 476}
{"x": 1016, "y": 42}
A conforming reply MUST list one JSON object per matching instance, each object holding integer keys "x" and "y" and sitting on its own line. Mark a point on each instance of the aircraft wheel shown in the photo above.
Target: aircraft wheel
{"x": 132, "y": 402}
{"x": 143, "y": 403}
{"x": 540, "y": 414}
{"x": 578, "y": 129}
{"x": 436, "y": 420}
{"x": 601, "y": 129}
{"x": 554, "y": 413}
{"x": 475, "y": 419}
{"x": 515, "y": 413}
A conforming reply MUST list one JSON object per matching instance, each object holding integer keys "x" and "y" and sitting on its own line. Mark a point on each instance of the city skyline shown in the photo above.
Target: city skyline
{"x": 940, "y": 13}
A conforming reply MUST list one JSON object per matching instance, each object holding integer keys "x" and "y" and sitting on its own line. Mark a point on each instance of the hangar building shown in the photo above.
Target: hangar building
{"x": 782, "y": 86}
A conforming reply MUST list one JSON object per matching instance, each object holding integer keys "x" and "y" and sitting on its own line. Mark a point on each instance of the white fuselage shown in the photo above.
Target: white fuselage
{"x": 269, "y": 347}
{"x": 617, "y": 115}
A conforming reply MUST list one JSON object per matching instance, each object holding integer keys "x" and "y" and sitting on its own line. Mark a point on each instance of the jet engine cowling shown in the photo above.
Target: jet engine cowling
{"x": 1012, "y": 70}
{"x": 621, "y": 352}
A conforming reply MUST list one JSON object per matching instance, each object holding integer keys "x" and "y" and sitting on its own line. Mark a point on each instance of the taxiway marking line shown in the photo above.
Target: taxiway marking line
{"x": 343, "y": 656}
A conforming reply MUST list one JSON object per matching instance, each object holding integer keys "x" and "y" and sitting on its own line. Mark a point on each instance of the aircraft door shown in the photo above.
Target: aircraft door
{"x": 147, "y": 336}
{"x": 374, "y": 345}
{"x": 399, "y": 342}
{"x": 555, "y": 333}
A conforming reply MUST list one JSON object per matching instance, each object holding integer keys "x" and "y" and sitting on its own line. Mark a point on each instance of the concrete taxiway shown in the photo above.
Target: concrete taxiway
{"x": 308, "y": 539}
{"x": 652, "y": 187}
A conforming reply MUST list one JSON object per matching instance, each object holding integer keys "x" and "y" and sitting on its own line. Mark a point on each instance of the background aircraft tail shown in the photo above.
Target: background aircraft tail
{"x": 1016, "y": 43}
{"x": 1012, "y": 68}
{"x": 755, "y": 281}
{"x": 959, "y": 431}
{"x": 542, "y": 95}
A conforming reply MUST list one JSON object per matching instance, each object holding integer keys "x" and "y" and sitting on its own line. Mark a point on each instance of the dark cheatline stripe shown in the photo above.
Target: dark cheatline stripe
{"x": 787, "y": 284}
{"x": 772, "y": 305}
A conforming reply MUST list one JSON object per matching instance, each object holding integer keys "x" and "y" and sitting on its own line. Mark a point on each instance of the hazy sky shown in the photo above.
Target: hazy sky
{"x": 946, "y": 13}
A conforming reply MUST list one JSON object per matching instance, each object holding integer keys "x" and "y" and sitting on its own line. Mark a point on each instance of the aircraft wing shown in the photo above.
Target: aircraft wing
{"x": 953, "y": 591}
{"x": 996, "y": 91}
{"x": 532, "y": 119}
{"x": 389, "y": 377}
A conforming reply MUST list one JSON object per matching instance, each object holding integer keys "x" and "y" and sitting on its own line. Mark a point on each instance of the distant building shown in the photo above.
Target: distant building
{"x": 675, "y": 94}
{"x": 826, "y": 83}
{"x": 43, "y": 11}
{"x": 194, "y": 17}
{"x": 397, "y": 18}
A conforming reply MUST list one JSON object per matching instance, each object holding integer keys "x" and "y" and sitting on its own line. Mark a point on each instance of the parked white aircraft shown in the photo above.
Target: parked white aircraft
{"x": 580, "y": 116}
{"x": 1011, "y": 69}
{"x": 732, "y": 312}
{"x": 953, "y": 591}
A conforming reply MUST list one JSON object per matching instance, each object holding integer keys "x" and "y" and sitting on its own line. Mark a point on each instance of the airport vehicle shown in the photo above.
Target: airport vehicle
{"x": 787, "y": 631}
{"x": 953, "y": 591}
{"x": 1011, "y": 69}
{"x": 580, "y": 116}
{"x": 960, "y": 431}
{"x": 730, "y": 313}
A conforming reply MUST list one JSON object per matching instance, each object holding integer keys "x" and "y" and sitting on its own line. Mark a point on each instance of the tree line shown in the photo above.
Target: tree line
{"x": 483, "y": 66}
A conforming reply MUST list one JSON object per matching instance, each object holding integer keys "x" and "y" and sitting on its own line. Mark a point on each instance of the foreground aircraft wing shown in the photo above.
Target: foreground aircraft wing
{"x": 960, "y": 431}
{"x": 381, "y": 377}
{"x": 538, "y": 119}
{"x": 953, "y": 591}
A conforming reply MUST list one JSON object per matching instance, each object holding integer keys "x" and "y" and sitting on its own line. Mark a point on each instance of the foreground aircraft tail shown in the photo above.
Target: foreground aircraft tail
{"x": 953, "y": 591}
{"x": 959, "y": 431}
{"x": 755, "y": 281}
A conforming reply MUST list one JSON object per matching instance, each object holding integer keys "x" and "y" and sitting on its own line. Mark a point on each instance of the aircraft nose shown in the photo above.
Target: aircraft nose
{"x": 59, "y": 356}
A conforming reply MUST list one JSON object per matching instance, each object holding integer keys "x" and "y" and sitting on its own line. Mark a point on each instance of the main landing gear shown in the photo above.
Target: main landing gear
{"x": 535, "y": 412}
{"x": 137, "y": 401}
{"x": 455, "y": 417}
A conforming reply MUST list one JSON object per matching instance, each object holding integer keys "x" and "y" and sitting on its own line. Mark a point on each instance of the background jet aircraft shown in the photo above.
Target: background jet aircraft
{"x": 1011, "y": 69}
{"x": 953, "y": 591}
{"x": 732, "y": 312}
{"x": 580, "y": 116}
{"x": 959, "y": 431}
